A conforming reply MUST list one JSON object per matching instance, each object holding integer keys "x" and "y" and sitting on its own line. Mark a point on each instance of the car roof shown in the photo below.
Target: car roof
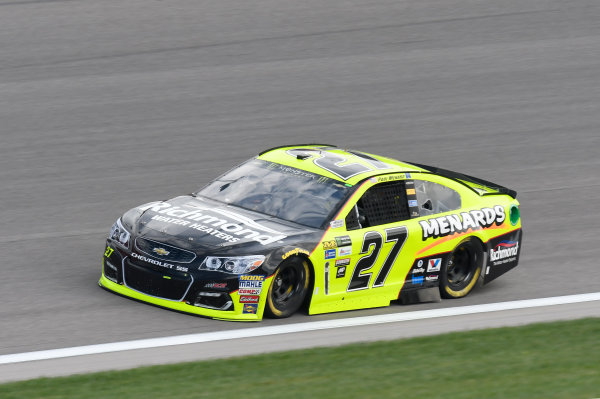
{"x": 302, "y": 156}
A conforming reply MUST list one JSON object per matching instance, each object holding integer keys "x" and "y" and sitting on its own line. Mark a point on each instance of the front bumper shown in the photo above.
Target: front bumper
{"x": 114, "y": 278}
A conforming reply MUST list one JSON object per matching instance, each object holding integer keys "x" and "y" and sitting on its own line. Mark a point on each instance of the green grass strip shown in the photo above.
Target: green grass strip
{"x": 553, "y": 360}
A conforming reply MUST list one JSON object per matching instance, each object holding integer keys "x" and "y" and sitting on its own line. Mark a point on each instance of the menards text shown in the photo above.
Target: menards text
{"x": 458, "y": 223}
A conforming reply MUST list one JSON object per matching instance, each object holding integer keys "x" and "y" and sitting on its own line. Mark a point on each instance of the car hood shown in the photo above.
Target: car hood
{"x": 200, "y": 224}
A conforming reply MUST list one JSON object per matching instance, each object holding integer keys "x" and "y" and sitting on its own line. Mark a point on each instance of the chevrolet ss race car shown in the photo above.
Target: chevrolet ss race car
{"x": 318, "y": 226}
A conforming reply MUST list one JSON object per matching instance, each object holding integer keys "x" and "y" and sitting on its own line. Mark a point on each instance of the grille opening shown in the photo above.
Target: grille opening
{"x": 157, "y": 283}
{"x": 214, "y": 300}
{"x": 110, "y": 271}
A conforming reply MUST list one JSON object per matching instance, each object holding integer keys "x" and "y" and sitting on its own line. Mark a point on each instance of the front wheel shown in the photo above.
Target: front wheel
{"x": 462, "y": 269}
{"x": 288, "y": 288}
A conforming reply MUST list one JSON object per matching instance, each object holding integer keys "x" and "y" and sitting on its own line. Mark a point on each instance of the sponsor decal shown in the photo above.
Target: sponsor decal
{"x": 373, "y": 180}
{"x": 458, "y": 223}
{"x": 159, "y": 263}
{"x": 412, "y": 203}
{"x": 251, "y": 284}
{"x": 249, "y": 291}
{"x": 215, "y": 285}
{"x": 410, "y": 191}
{"x": 295, "y": 251}
{"x": 414, "y": 214}
{"x": 298, "y": 172}
{"x": 345, "y": 251}
{"x": 251, "y": 277}
{"x": 161, "y": 251}
{"x": 249, "y": 298}
{"x": 433, "y": 277}
{"x": 420, "y": 268}
{"x": 251, "y": 281}
{"x": 329, "y": 244}
{"x": 330, "y": 254}
{"x": 342, "y": 262}
{"x": 343, "y": 241}
{"x": 407, "y": 175}
{"x": 341, "y": 272}
{"x": 336, "y": 223}
{"x": 417, "y": 280}
{"x": 221, "y": 223}
{"x": 434, "y": 265}
{"x": 250, "y": 308}
{"x": 505, "y": 249}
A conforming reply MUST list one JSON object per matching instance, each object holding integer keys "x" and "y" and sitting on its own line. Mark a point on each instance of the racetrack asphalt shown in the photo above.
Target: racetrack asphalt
{"x": 107, "y": 105}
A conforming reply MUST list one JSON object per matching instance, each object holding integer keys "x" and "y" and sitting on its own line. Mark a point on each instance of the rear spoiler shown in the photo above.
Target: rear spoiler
{"x": 296, "y": 145}
{"x": 469, "y": 181}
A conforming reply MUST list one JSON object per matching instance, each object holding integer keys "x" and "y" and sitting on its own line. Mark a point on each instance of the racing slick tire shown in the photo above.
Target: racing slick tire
{"x": 461, "y": 271}
{"x": 288, "y": 288}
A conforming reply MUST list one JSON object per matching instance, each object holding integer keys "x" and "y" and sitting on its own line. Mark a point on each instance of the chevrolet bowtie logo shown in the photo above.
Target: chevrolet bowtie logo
{"x": 160, "y": 251}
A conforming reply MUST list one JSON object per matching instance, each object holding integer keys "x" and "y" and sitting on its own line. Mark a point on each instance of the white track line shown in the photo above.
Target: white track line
{"x": 293, "y": 328}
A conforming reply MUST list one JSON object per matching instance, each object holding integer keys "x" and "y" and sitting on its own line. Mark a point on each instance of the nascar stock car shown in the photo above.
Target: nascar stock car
{"x": 318, "y": 226}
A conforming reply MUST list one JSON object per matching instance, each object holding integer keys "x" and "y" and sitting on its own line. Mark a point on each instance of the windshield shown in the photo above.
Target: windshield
{"x": 278, "y": 190}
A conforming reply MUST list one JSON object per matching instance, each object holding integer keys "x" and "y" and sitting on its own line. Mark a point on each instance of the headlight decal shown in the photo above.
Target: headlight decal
{"x": 232, "y": 264}
{"x": 119, "y": 234}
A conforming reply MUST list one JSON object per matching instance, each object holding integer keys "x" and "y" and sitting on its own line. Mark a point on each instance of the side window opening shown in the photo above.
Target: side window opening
{"x": 352, "y": 222}
{"x": 434, "y": 198}
{"x": 381, "y": 204}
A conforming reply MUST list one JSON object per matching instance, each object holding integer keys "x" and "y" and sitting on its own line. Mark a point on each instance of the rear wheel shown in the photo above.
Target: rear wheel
{"x": 462, "y": 269}
{"x": 288, "y": 288}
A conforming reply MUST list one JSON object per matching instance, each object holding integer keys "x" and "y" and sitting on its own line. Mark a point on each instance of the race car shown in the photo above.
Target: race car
{"x": 314, "y": 226}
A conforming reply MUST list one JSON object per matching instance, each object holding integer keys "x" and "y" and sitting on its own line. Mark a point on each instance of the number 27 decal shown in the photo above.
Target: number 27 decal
{"x": 333, "y": 162}
{"x": 360, "y": 277}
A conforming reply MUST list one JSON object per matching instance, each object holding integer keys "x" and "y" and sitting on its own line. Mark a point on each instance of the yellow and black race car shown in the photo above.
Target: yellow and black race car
{"x": 314, "y": 225}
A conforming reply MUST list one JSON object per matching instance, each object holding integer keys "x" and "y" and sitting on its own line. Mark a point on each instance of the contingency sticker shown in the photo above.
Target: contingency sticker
{"x": 249, "y": 291}
{"x": 250, "y": 308}
{"x": 336, "y": 223}
{"x": 343, "y": 241}
{"x": 249, "y": 298}
{"x": 345, "y": 251}
{"x": 434, "y": 265}
{"x": 329, "y": 244}
{"x": 250, "y": 287}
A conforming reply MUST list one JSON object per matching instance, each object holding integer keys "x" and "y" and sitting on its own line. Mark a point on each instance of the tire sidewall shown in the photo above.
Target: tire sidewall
{"x": 274, "y": 309}
{"x": 477, "y": 257}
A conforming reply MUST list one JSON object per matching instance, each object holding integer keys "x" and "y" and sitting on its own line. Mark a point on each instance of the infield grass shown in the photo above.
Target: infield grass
{"x": 553, "y": 360}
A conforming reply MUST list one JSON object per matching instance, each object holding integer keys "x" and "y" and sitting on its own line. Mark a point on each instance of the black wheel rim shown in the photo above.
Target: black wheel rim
{"x": 460, "y": 267}
{"x": 286, "y": 285}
